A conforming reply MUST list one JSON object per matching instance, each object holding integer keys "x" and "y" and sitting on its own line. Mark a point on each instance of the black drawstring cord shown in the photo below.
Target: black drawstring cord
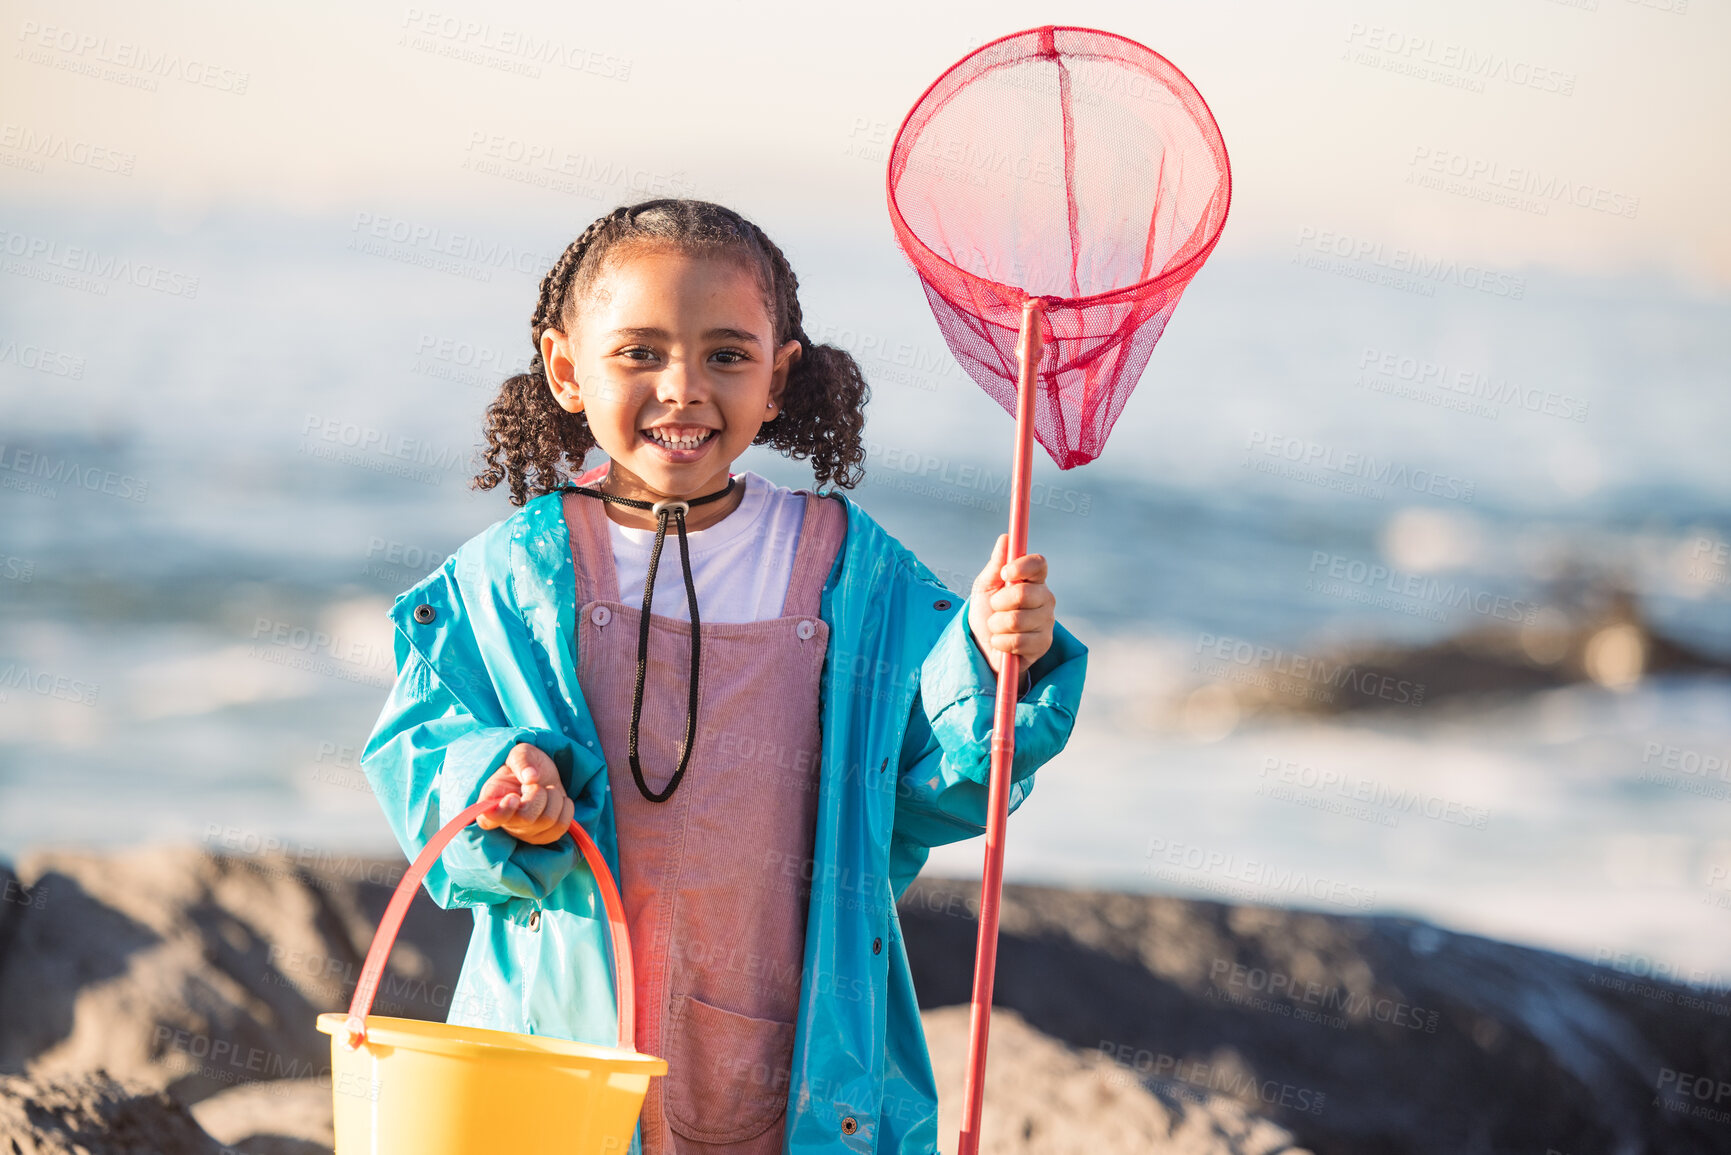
{"x": 661, "y": 509}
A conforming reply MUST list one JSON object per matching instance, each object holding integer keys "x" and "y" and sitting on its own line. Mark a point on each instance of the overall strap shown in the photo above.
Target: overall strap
{"x": 591, "y": 550}
{"x": 820, "y": 535}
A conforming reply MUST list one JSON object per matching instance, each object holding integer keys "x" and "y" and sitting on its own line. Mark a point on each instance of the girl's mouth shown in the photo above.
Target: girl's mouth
{"x": 680, "y": 449}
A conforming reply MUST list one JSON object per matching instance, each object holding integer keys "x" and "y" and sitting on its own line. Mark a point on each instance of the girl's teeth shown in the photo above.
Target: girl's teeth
{"x": 687, "y": 442}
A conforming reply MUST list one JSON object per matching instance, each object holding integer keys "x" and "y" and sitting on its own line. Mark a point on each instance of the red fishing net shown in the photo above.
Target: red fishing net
{"x": 1067, "y": 164}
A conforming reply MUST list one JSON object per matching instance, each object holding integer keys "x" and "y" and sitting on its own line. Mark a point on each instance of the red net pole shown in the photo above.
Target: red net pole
{"x": 1064, "y": 183}
{"x": 1028, "y": 350}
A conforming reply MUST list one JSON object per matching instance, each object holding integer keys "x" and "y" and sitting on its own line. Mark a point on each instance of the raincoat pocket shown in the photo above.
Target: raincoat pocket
{"x": 727, "y": 1073}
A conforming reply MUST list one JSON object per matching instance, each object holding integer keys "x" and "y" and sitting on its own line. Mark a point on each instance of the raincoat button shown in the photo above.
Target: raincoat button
{"x": 849, "y": 1125}
{"x": 877, "y": 945}
{"x": 805, "y": 630}
{"x": 600, "y": 615}
{"x": 425, "y": 614}
{"x": 534, "y": 920}
{"x": 941, "y": 604}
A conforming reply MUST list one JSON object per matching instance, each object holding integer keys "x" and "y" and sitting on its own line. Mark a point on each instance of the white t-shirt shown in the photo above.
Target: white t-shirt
{"x": 741, "y": 565}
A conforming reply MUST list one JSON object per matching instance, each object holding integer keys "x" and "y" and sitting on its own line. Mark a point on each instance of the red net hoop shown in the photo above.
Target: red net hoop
{"x": 1067, "y": 164}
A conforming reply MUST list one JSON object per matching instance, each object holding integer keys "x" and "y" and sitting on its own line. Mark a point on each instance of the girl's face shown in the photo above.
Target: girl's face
{"x": 672, "y": 358}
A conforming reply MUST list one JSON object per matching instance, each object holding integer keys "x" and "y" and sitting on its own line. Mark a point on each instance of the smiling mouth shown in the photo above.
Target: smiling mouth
{"x": 691, "y": 438}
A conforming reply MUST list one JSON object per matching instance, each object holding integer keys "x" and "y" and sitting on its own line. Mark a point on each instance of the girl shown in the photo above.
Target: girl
{"x": 764, "y": 752}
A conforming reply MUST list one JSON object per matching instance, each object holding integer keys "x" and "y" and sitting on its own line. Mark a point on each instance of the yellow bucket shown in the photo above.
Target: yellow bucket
{"x": 408, "y": 1087}
{"x": 427, "y": 1088}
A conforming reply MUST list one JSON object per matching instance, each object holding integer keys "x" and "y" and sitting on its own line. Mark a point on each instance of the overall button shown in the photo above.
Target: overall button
{"x": 941, "y": 604}
{"x": 600, "y": 615}
{"x": 805, "y": 630}
{"x": 877, "y": 945}
{"x": 849, "y": 1125}
{"x": 425, "y": 614}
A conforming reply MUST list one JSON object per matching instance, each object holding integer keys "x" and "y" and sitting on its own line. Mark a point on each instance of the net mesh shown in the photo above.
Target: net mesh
{"x": 1072, "y": 165}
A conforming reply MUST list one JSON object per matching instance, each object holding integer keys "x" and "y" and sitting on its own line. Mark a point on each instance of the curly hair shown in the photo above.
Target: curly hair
{"x": 533, "y": 445}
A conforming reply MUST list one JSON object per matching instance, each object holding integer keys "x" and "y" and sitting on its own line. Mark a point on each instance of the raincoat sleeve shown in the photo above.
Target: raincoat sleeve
{"x": 946, "y": 757}
{"x": 427, "y": 760}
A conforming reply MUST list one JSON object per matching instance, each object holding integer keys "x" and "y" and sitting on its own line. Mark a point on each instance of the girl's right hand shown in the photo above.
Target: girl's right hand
{"x": 532, "y": 803}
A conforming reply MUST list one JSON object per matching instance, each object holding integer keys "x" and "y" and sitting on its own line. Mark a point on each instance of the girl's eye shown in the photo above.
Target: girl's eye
{"x": 731, "y": 356}
{"x": 637, "y": 353}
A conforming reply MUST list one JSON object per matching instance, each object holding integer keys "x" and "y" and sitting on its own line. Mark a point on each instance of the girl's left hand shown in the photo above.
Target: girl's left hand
{"x": 1010, "y": 609}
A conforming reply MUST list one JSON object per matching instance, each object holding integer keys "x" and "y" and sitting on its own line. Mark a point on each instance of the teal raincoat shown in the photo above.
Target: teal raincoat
{"x": 486, "y": 658}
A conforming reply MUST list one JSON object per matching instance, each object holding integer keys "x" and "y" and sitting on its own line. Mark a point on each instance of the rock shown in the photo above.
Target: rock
{"x": 1125, "y": 1022}
{"x": 194, "y": 972}
{"x": 1356, "y": 1034}
{"x": 285, "y": 1117}
{"x": 1595, "y": 634}
{"x": 1044, "y": 1098}
{"x": 95, "y": 1114}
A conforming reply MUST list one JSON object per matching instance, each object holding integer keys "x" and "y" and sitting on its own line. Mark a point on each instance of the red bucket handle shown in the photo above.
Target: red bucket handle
{"x": 374, "y": 968}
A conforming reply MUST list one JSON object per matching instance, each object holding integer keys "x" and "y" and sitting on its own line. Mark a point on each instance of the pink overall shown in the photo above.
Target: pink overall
{"x": 716, "y": 879}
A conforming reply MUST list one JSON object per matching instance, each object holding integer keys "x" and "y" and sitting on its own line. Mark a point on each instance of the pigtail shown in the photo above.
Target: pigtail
{"x": 823, "y": 415}
{"x": 533, "y": 445}
{"x": 823, "y": 406}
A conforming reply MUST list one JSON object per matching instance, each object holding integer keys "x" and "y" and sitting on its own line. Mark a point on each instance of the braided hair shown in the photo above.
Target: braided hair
{"x": 532, "y": 443}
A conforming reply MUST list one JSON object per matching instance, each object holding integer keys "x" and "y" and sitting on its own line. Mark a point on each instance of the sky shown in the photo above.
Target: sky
{"x": 164, "y": 132}
{"x": 1330, "y": 111}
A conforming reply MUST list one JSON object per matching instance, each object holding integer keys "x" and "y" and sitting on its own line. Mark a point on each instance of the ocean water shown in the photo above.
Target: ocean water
{"x": 208, "y": 500}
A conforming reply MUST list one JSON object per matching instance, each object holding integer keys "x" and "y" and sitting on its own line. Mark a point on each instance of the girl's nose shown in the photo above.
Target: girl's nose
{"x": 679, "y": 385}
